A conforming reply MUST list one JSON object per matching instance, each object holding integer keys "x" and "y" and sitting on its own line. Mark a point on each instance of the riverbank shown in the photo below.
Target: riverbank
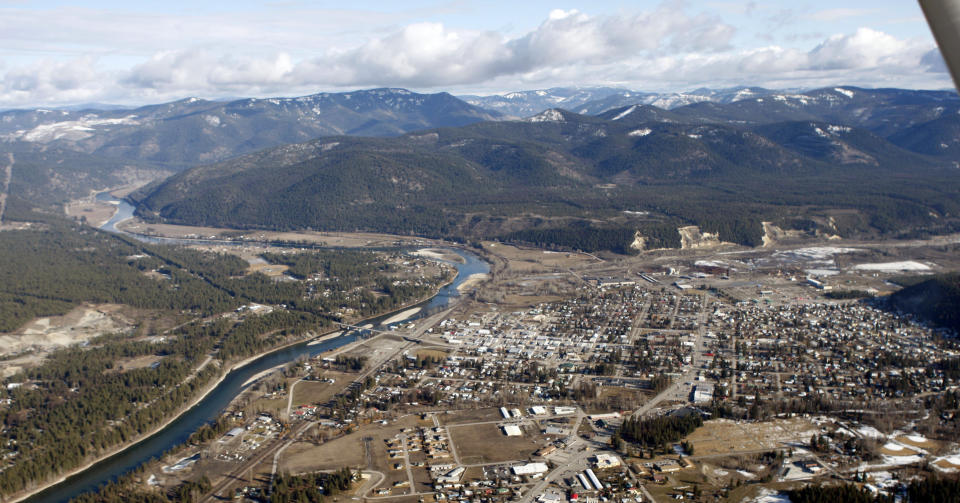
{"x": 438, "y": 254}
{"x": 207, "y": 390}
{"x": 224, "y": 373}
{"x": 472, "y": 281}
{"x": 401, "y": 316}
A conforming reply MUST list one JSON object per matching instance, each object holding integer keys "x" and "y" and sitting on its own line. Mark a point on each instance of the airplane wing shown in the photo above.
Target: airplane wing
{"x": 943, "y": 16}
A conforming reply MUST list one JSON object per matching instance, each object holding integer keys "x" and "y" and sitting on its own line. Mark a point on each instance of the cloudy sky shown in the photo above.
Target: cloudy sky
{"x": 110, "y": 51}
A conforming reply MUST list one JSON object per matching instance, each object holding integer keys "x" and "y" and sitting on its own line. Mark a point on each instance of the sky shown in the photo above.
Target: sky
{"x": 55, "y": 53}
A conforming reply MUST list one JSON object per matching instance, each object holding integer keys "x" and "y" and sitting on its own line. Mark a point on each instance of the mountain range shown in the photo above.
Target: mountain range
{"x": 840, "y": 160}
{"x": 596, "y": 100}
{"x": 194, "y": 131}
{"x": 628, "y": 177}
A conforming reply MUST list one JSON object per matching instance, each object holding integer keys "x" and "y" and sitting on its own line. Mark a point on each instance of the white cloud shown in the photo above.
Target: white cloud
{"x": 867, "y": 48}
{"x": 664, "y": 49}
{"x": 828, "y": 15}
{"x": 429, "y": 54}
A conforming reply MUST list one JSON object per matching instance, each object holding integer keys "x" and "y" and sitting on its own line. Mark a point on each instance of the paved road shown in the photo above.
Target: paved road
{"x": 577, "y": 459}
{"x": 681, "y": 389}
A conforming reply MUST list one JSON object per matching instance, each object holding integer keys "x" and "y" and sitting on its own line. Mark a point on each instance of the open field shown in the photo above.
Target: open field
{"x": 723, "y": 436}
{"x": 377, "y": 348}
{"x": 469, "y": 416}
{"x": 96, "y": 213}
{"x": 128, "y": 364}
{"x": 271, "y": 270}
{"x": 527, "y": 260}
{"x": 333, "y": 239}
{"x": 344, "y": 451}
{"x": 895, "y": 450}
{"x": 318, "y": 392}
{"x": 922, "y": 443}
{"x": 351, "y": 450}
{"x": 486, "y": 443}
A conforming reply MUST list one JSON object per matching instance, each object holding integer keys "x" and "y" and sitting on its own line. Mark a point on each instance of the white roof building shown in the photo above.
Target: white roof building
{"x": 512, "y": 430}
{"x": 530, "y": 469}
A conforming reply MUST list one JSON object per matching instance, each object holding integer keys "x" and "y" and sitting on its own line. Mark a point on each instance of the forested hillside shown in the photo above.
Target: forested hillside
{"x": 79, "y": 402}
{"x": 936, "y": 299}
{"x": 571, "y": 181}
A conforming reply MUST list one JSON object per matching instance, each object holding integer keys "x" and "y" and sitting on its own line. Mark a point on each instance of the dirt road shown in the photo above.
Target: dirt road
{"x": 7, "y": 175}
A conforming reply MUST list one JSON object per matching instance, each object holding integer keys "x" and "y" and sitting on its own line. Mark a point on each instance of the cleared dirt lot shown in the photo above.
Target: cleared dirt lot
{"x": 80, "y": 324}
{"x": 375, "y": 349}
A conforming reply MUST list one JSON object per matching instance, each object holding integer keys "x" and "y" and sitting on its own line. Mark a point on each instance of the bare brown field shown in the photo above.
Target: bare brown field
{"x": 306, "y": 457}
{"x": 128, "y": 364}
{"x": 96, "y": 213}
{"x": 943, "y": 463}
{"x": 623, "y": 398}
{"x": 527, "y": 260}
{"x": 927, "y": 444}
{"x": 273, "y": 406}
{"x": 335, "y": 239}
{"x": 486, "y": 443}
{"x": 469, "y": 416}
{"x": 271, "y": 270}
{"x": 723, "y": 436}
{"x": 314, "y": 392}
{"x": 349, "y": 450}
{"x": 432, "y": 353}
{"x": 906, "y": 451}
{"x": 515, "y": 301}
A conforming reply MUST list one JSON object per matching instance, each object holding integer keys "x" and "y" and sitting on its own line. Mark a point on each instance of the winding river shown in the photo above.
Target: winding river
{"x": 217, "y": 400}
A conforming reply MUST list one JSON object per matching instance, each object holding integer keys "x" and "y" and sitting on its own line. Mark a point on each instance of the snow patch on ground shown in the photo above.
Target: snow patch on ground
{"x": 625, "y": 113}
{"x": 74, "y": 130}
{"x": 768, "y": 496}
{"x": 899, "y": 461}
{"x": 907, "y": 265}
{"x": 870, "y": 432}
{"x": 891, "y": 446}
{"x": 547, "y": 116}
{"x": 640, "y": 132}
{"x": 816, "y": 254}
{"x": 709, "y": 263}
{"x": 953, "y": 459}
{"x": 845, "y": 92}
{"x": 821, "y": 272}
